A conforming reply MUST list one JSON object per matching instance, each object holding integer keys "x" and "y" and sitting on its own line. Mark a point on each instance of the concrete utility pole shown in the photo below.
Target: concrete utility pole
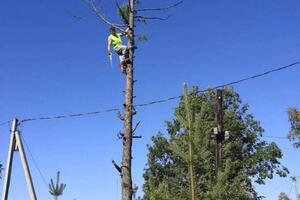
{"x": 219, "y": 134}
{"x": 16, "y": 145}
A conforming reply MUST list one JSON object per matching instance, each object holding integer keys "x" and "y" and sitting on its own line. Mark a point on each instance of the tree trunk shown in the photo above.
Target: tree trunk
{"x": 190, "y": 147}
{"x": 127, "y": 140}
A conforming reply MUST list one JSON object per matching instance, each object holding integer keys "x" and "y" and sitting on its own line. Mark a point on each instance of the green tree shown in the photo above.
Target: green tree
{"x": 247, "y": 158}
{"x": 294, "y": 118}
{"x": 283, "y": 196}
{"x": 58, "y": 189}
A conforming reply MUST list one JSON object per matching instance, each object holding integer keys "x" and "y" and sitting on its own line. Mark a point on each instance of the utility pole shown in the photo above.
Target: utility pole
{"x": 189, "y": 127}
{"x": 16, "y": 145}
{"x": 218, "y": 132}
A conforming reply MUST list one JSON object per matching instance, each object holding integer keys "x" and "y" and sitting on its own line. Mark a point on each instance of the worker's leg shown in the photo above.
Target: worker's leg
{"x": 122, "y": 50}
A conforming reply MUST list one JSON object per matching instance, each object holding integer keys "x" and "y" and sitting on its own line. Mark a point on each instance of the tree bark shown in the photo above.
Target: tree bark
{"x": 127, "y": 140}
{"x": 190, "y": 146}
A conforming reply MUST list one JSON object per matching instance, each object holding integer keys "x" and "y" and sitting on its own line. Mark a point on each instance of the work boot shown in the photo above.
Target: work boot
{"x": 127, "y": 61}
{"x": 123, "y": 67}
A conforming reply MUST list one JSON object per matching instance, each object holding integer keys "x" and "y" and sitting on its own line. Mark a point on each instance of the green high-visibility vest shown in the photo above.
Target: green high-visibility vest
{"x": 116, "y": 40}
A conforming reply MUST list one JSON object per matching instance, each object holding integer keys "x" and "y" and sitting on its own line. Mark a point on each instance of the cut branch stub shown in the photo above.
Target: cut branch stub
{"x": 137, "y": 136}
{"x": 120, "y": 135}
{"x": 117, "y": 166}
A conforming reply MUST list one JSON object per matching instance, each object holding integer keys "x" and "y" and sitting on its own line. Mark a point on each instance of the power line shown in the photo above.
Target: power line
{"x": 226, "y": 84}
{"x": 4, "y": 123}
{"x": 34, "y": 162}
{"x": 163, "y": 100}
{"x": 259, "y": 75}
{"x": 275, "y": 137}
{"x": 70, "y": 115}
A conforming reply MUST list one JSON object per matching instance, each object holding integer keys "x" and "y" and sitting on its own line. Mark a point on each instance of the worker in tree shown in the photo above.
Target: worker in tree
{"x": 115, "y": 40}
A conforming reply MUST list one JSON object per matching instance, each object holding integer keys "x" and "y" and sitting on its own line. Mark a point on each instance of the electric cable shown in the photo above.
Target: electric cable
{"x": 34, "y": 162}
{"x": 4, "y": 123}
{"x": 275, "y": 137}
{"x": 163, "y": 100}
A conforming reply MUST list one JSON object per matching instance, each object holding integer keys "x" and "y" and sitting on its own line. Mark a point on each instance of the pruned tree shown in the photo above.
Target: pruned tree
{"x": 57, "y": 189}
{"x": 294, "y": 118}
{"x": 130, "y": 14}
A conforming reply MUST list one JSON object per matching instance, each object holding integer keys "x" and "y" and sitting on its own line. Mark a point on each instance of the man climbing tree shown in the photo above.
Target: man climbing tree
{"x": 129, "y": 15}
{"x": 115, "y": 40}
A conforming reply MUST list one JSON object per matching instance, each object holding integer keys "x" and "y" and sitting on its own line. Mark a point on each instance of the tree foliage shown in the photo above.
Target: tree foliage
{"x": 294, "y": 118}
{"x": 247, "y": 158}
{"x": 124, "y": 12}
{"x": 283, "y": 196}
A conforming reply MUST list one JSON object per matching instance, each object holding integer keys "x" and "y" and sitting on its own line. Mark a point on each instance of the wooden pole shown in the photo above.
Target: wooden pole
{"x": 220, "y": 135}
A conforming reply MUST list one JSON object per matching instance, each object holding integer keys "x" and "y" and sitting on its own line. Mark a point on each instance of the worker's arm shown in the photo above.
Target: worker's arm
{"x": 125, "y": 32}
{"x": 109, "y": 46}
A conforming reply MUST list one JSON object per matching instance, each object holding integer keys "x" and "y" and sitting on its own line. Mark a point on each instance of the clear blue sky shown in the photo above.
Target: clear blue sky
{"x": 51, "y": 63}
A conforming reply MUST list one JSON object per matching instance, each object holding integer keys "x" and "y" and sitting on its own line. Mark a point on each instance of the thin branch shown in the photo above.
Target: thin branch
{"x": 120, "y": 116}
{"x": 136, "y": 126}
{"x": 142, "y": 18}
{"x": 160, "y": 9}
{"x": 102, "y": 17}
{"x": 77, "y": 17}
{"x": 120, "y": 135}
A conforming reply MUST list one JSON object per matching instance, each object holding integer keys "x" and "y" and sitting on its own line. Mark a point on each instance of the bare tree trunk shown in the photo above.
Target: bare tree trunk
{"x": 189, "y": 127}
{"x": 127, "y": 143}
